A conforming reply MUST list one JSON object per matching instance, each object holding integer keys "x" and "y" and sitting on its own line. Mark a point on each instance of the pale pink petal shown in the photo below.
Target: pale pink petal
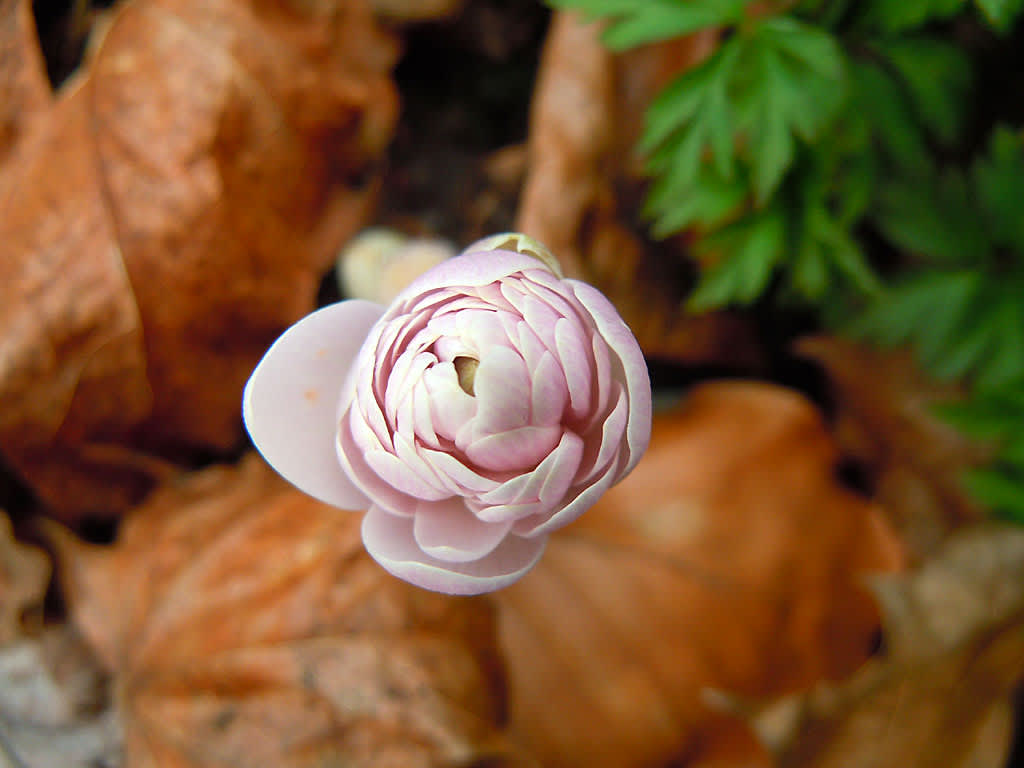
{"x": 624, "y": 345}
{"x": 523, "y": 486}
{"x": 573, "y": 354}
{"x": 423, "y": 416}
{"x": 398, "y": 474}
{"x": 553, "y": 297}
{"x": 540, "y": 489}
{"x": 391, "y": 541}
{"x": 462, "y": 477}
{"x": 451, "y": 407}
{"x": 529, "y": 345}
{"x": 515, "y": 449}
{"x": 565, "y": 461}
{"x": 534, "y": 510}
{"x": 574, "y": 507}
{"x": 491, "y": 293}
{"x": 396, "y": 378}
{"x": 443, "y": 325}
{"x": 448, "y": 531}
{"x": 351, "y": 457}
{"x": 367, "y": 404}
{"x": 602, "y": 377}
{"x": 541, "y": 319}
{"x": 502, "y": 391}
{"x": 290, "y": 402}
{"x": 482, "y": 329}
{"x": 549, "y": 392}
{"x": 432, "y": 300}
{"x": 447, "y": 348}
{"x": 468, "y": 269}
{"x": 612, "y": 429}
{"x": 412, "y": 328}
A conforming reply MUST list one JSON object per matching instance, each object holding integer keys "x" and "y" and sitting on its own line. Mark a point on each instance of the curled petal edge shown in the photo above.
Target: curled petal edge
{"x": 623, "y": 343}
{"x": 390, "y": 540}
{"x": 469, "y": 270}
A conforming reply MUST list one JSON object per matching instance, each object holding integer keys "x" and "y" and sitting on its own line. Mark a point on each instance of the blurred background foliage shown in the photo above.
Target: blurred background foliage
{"x": 863, "y": 160}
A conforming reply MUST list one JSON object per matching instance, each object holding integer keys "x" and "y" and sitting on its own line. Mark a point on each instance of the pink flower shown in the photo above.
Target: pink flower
{"x": 492, "y": 403}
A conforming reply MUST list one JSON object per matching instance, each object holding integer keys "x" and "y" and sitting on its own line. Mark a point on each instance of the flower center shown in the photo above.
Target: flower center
{"x": 465, "y": 368}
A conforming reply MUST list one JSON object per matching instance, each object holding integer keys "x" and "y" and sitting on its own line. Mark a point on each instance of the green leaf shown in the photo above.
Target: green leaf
{"x": 932, "y": 215}
{"x": 636, "y": 22}
{"x": 999, "y": 184}
{"x": 711, "y": 201}
{"x": 901, "y": 15}
{"x": 749, "y": 250}
{"x": 981, "y": 417}
{"x": 1000, "y": 488}
{"x": 1003, "y": 318}
{"x": 1000, "y": 13}
{"x": 772, "y": 146}
{"x": 847, "y": 256}
{"x": 937, "y": 76}
{"x": 962, "y": 323}
{"x": 766, "y": 85}
{"x": 879, "y": 101}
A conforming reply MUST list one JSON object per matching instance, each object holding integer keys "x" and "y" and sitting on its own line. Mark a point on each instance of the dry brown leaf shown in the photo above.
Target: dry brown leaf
{"x": 24, "y": 90}
{"x": 24, "y": 575}
{"x": 171, "y": 213}
{"x": 730, "y": 559}
{"x": 53, "y": 711}
{"x": 582, "y": 188}
{"x": 884, "y": 419}
{"x": 944, "y": 700}
{"x": 410, "y": 11}
{"x": 245, "y": 625}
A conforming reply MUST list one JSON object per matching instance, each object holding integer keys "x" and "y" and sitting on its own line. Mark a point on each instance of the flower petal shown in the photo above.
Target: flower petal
{"x": 549, "y": 391}
{"x": 290, "y": 403}
{"x": 502, "y": 388}
{"x": 470, "y": 269}
{"x": 391, "y": 541}
{"x": 583, "y": 501}
{"x": 538, "y": 490}
{"x": 352, "y": 458}
{"x": 513, "y": 450}
{"x": 624, "y": 345}
{"x": 449, "y": 531}
{"x": 576, "y": 363}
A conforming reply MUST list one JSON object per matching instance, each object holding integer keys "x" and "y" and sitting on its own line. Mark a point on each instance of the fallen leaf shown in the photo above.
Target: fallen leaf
{"x": 885, "y": 420}
{"x": 415, "y": 11}
{"x": 165, "y": 220}
{"x": 944, "y": 698}
{"x": 584, "y": 185}
{"x": 53, "y": 708}
{"x": 731, "y": 559}
{"x": 244, "y": 624}
{"x": 24, "y": 90}
{"x": 24, "y": 575}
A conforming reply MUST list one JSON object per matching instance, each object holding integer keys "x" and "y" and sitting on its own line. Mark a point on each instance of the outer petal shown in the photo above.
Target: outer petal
{"x": 469, "y": 269}
{"x": 638, "y": 383}
{"x": 290, "y": 404}
{"x": 390, "y": 541}
{"x": 448, "y": 531}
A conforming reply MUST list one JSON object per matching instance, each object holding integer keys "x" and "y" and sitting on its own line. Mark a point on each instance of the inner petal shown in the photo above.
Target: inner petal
{"x": 575, "y": 360}
{"x": 502, "y": 387}
{"x": 450, "y": 406}
{"x": 514, "y": 449}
